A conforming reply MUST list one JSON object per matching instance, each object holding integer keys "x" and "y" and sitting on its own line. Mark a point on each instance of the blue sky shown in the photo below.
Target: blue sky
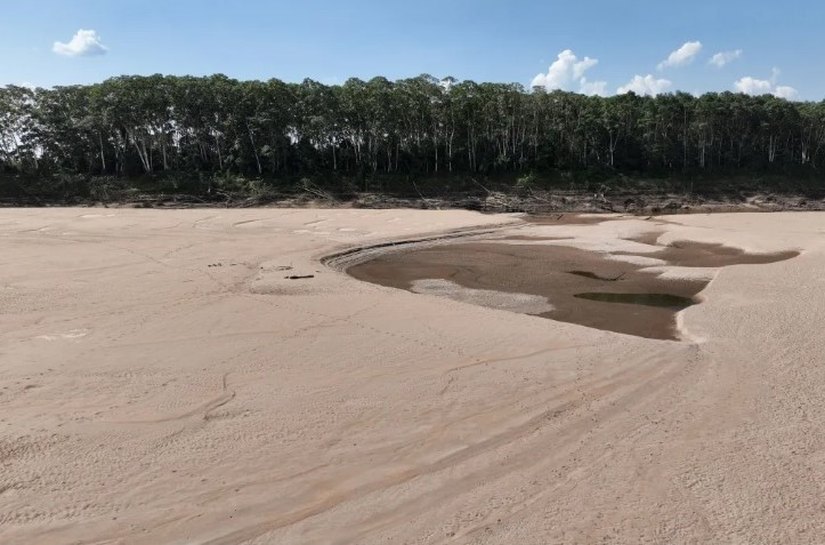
{"x": 780, "y": 44}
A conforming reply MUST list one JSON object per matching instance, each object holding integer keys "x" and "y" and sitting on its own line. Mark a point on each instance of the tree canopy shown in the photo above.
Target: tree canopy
{"x": 136, "y": 125}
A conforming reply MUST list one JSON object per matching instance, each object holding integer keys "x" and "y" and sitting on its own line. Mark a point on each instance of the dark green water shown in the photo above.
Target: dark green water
{"x": 648, "y": 299}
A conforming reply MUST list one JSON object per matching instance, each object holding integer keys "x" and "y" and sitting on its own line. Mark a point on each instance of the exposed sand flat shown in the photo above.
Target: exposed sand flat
{"x": 612, "y": 288}
{"x": 515, "y": 302}
{"x": 162, "y": 382}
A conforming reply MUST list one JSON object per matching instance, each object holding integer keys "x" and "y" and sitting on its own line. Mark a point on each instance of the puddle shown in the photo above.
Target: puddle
{"x": 594, "y": 276}
{"x": 665, "y": 300}
{"x": 686, "y": 253}
{"x": 558, "y": 282}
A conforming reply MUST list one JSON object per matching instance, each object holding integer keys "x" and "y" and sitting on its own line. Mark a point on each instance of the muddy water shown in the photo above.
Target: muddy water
{"x": 566, "y": 284}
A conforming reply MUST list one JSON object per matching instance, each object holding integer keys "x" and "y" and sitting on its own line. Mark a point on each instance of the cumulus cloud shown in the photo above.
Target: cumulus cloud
{"x": 647, "y": 85}
{"x": 785, "y": 91}
{"x": 85, "y": 43}
{"x": 682, "y": 56}
{"x": 754, "y": 86}
{"x": 725, "y": 57}
{"x": 567, "y": 73}
{"x": 593, "y": 87}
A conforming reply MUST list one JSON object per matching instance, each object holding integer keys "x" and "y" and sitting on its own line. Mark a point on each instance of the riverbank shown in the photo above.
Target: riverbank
{"x": 202, "y": 376}
{"x": 618, "y": 194}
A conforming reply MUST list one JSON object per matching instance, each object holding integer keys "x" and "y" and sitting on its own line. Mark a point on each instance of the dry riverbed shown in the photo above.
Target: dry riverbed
{"x": 216, "y": 377}
{"x": 622, "y": 289}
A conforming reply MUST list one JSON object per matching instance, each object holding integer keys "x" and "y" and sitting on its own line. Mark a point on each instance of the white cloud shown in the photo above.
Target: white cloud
{"x": 567, "y": 72}
{"x": 785, "y": 91}
{"x": 753, "y": 86}
{"x": 84, "y": 43}
{"x": 775, "y": 72}
{"x": 681, "y": 56}
{"x": 647, "y": 85}
{"x": 583, "y": 66}
{"x": 725, "y": 57}
{"x": 593, "y": 87}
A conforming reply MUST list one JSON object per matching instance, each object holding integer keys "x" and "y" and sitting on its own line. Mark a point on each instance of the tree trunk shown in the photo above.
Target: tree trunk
{"x": 254, "y": 149}
{"x": 140, "y": 147}
{"x": 218, "y": 149}
{"x": 102, "y": 154}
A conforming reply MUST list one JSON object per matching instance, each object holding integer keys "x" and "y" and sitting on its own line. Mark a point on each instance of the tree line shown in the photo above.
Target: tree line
{"x": 136, "y": 126}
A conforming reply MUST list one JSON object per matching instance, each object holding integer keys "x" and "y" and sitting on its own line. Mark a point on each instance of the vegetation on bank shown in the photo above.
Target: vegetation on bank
{"x": 215, "y": 138}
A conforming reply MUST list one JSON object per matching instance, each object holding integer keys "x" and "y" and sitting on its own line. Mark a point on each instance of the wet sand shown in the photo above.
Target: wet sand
{"x": 685, "y": 253}
{"x": 208, "y": 377}
{"x": 582, "y": 287}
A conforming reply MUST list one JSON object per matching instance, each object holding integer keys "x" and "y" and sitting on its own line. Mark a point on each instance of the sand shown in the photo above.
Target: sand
{"x": 559, "y": 281}
{"x": 163, "y": 382}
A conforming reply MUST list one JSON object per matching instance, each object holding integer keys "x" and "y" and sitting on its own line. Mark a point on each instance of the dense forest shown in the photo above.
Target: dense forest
{"x": 201, "y": 129}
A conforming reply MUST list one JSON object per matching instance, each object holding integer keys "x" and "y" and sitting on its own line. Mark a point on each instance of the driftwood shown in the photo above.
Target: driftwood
{"x": 427, "y": 203}
{"x": 312, "y": 189}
